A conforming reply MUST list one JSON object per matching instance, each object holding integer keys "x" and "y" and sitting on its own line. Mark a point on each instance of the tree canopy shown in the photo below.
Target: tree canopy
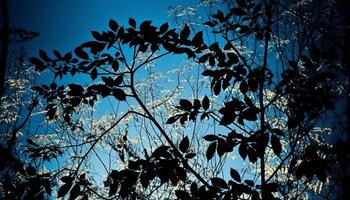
{"x": 263, "y": 81}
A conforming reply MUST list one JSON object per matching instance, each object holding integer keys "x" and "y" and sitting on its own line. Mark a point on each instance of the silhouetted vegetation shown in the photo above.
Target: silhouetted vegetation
{"x": 273, "y": 78}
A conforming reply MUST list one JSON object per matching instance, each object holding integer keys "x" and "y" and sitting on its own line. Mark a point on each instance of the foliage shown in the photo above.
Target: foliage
{"x": 268, "y": 115}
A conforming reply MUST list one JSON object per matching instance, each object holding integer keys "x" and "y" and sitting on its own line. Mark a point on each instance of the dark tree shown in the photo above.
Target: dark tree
{"x": 268, "y": 109}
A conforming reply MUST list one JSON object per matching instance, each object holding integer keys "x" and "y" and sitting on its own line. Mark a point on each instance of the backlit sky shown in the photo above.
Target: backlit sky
{"x": 63, "y": 24}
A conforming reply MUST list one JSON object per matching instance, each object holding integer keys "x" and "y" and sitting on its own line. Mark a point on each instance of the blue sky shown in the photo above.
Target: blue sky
{"x": 63, "y": 24}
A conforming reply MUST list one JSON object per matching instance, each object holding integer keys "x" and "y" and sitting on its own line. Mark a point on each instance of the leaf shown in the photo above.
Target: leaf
{"x": 173, "y": 119}
{"x": 118, "y": 80}
{"x": 249, "y": 182}
{"x": 277, "y": 131}
{"x": 35, "y": 61}
{"x": 211, "y": 150}
{"x": 276, "y": 144}
{"x": 97, "y": 35}
{"x": 210, "y": 24}
{"x": 108, "y": 80}
{"x": 113, "y": 25}
{"x": 196, "y": 105}
{"x": 74, "y": 192}
{"x": 113, "y": 189}
{"x": 81, "y": 53}
{"x": 57, "y": 54}
{"x": 75, "y": 90}
{"x": 217, "y": 87}
{"x": 222, "y": 147}
{"x": 43, "y": 55}
{"x": 228, "y": 118}
{"x": 197, "y": 40}
{"x": 235, "y": 175}
{"x": 204, "y": 58}
{"x": 185, "y": 33}
{"x": 190, "y": 155}
{"x": 184, "y": 144}
{"x": 237, "y": 11}
{"x": 31, "y": 171}
{"x": 205, "y": 103}
{"x": 185, "y": 104}
{"x": 119, "y": 94}
{"x": 219, "y": 15}
{"x": 243, "y": 87}
{"x": 29, "y": 141}
{"x": 182, "y": 195}
{"x": 93, "y": 74}
{"x": 181, "y": 173}
{"x": 145, "y": 24}
{"x": 250, "y": 114}
{"x": 67, "y": 57}
{"x": 67, "y": 179}
{"x": 63, "y": 190}
{"x": 242, "y": 150}
{"x": 211, "y": 137}
{"x": 164, "y": 27}
{"x": 219, "y": 182}
{"x": 132, "y": 22}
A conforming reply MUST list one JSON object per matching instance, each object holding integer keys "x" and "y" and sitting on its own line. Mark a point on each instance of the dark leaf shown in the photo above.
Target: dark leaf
{"x": 217, "y": 87}
{"x": 243, "y": 87}
{"x": 272, "y": 187}
{"x": 29, "y": 141}
{"x": 181, "y": 173}
{"x": 67, "y": 179}
{"x": 249, "y": 182}
{"x": 63, "y": 190}
{"x": 113, "y": 25}
{"x": 185, "y": 104}
{"x": 277, "y": 131}
{"x": 190, "y": 155}
{"x": 205, "y": 103}
{"x": 235, "y": 175}
{"x": 276, "y": 144}
{"x": 36, "y": 61}
{"x": 113, "y": 189}
{"x": 74, "y": 192}
{"x": 210, "y": 24}
{"x": 173, "y": 119}
{"x": 163, "y": 28}
{"x": 185, "y": 33}
{"x": 57, "y": 54}
{"x": 81, "y": 53}
{"x": 67, "y": 57}
{"x": 119, "y": 94}
{"x": 237, "y": 11}
{"x": 228, "y": 118}
{"x": 250, "y": 114}
{"x": 132, "y": 22}
{"x": 145, "y": 24}
{"x": 242, "y": 150}
{"x": 197, "y": 40}
{"x": 43, "y": 55}
{"x": 211, "y": 137}
{"x": 182, "y": 195}
{"x": 118, "y": 80}
{"x": 219, "y": 182}
{"x": 211, "y": 150}
{"x": 31, "y": 171}
{"x": 97, "y": 35}
{"x": 204, "y": 58}
{"x": 184, "y": 144}
{"x": 93, "y": 74}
